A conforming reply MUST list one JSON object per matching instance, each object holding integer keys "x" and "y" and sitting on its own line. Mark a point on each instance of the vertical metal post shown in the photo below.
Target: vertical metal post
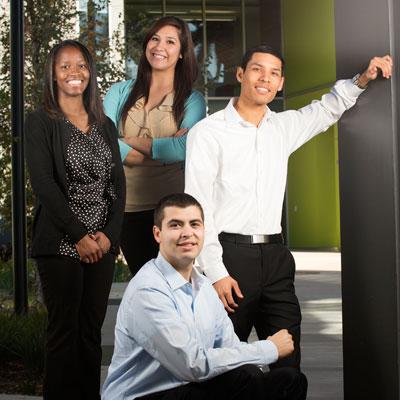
{"x": 205, "y": 49}
{"x": 164, "y": 8}
{"x": 17, "y": 148}
{"x": 243, "y": 15}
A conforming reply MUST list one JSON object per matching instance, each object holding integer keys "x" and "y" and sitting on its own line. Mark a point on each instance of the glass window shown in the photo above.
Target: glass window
{"x": 139, "y": 16}
{"x": 93, "y": 16}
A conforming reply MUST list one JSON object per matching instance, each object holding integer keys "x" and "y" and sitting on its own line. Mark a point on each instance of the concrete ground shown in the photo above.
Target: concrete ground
{"x": 319, "y": 290}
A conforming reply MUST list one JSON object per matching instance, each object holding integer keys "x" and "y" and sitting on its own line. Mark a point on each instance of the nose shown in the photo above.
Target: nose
{"x": 264, "y": 77}
{"x": 75, "y": 69}
{"x": 187, "y": 231}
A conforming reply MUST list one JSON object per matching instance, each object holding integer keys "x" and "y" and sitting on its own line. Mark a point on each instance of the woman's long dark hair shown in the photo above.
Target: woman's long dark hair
{"x": 91, "y": 95}
{"x": 185, "y": 70}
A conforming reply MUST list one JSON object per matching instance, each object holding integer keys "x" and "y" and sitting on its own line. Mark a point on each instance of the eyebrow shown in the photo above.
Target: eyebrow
{"x": 174, "y": 221}
{"x": 262, "y": 66}
{"x": 179, "y": 221}
{"x": 168, "y": 37}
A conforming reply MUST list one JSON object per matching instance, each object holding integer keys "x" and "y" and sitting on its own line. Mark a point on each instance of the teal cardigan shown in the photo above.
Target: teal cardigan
{"x": 168, "y": 149}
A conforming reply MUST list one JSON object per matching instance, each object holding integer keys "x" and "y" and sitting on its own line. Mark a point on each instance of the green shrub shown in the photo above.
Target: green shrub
{"x": 23, "y": 338}
{"x": 7, "y": 278}
{"x": 121, "y": 272}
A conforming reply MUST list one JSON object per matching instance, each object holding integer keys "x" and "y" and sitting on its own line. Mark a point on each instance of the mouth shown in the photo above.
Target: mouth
{"x": 158, "y": 56}
{"x": 187, "y": 245}
{"x": 75, "y": 82}
{"x": 262, "y": 90}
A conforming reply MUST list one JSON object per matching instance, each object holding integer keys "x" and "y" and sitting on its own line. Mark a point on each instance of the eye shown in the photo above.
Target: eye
{"x": 171, "y": 41}
{"x": 154, "y": 39}
{"x": 64, "y": 66}
{"x": 256, "y": 69}
{"x": 83, "y": 66}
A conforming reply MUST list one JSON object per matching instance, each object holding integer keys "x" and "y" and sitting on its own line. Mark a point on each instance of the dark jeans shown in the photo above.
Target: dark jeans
{"x": 137, "y": 241}
{"x": 265, "y": 273}
{"x": 245, "y": 382}
{"x": 76, "y": 296}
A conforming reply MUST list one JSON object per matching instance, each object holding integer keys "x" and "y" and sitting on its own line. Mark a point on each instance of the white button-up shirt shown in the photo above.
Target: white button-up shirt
{"x": 237, "y": 171}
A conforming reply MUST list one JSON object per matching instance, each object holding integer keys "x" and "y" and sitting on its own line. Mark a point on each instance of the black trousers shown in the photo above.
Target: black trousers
{"x": 245, "y": 382}
{"x": 76, "y": 296}
{"x": 265, "y": 273}
{"x": 137, "y": 241}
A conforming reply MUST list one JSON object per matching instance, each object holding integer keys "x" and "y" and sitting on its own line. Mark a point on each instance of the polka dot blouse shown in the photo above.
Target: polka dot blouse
{"x": 90, "y": 190}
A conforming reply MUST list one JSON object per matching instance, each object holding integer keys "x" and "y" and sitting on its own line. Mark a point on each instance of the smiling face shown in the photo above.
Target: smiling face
{"x": 164, "y": 48}
{"x": 181, "y": 235}
{"x": 261, "y": 79}
{"x": 71, "y": 72}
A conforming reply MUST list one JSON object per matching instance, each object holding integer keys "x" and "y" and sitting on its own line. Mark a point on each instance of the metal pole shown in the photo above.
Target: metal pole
{"x": 17, "y": 148}
{"x": 243, "y": 15}
{"x": 205, "y": 49}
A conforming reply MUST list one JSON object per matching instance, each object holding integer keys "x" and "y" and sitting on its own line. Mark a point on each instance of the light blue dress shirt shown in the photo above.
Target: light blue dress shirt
{"x": 166, "y": 149}
{"x": 170, "y": 332}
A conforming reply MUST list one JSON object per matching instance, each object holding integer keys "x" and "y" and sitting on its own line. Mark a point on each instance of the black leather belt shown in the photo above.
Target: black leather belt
{"x": 250, "y": 239}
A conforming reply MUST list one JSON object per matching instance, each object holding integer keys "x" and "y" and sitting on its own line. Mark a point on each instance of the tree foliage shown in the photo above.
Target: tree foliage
{"x": 47, "y": 22}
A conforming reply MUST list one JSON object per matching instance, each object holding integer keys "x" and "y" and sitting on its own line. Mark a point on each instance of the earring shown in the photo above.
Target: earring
{"x": 180, "y": 56}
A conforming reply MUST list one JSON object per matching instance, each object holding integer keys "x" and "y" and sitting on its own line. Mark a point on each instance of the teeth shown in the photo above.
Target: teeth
{"x": 75, "y": 82}
{"x": 262, "y": 90}
{"x": 159, "y": 56}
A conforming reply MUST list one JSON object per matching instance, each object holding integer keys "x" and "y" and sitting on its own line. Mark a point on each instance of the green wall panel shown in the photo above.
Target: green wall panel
{"x": 308, "y": 44}
{"x": 313, "y": 187}
{"x": 312, "y": 190}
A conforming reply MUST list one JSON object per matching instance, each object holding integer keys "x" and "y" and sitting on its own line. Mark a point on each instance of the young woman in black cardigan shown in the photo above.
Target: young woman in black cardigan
{"x": 77, "y": 176}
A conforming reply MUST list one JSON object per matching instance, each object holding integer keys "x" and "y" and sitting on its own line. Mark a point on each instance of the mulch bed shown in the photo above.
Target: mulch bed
{"x": 15, "y": 379}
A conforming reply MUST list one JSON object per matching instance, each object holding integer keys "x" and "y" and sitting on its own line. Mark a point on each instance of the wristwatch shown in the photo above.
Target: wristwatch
{"x": 356, "y": 81}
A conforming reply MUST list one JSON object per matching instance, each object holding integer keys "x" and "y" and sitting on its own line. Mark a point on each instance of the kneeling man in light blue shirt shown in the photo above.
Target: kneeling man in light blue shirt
{"x": 173, "y": 337}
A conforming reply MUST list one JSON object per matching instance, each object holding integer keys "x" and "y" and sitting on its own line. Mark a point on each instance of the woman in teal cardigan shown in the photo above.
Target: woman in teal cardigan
{"x": 153, "y": 114}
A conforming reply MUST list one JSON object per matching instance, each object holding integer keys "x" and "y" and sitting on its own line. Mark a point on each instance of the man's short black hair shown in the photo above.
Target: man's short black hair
{"x": 262, "y": 48}
{"x": 181, "y": 200}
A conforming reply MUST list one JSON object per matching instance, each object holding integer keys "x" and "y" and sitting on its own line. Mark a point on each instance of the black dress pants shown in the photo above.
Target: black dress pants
{"x": 137, "y": 241}
{"x": 265, "y": 274}
{"x": 247, "y": 382}
{"x": 76, "y": 297}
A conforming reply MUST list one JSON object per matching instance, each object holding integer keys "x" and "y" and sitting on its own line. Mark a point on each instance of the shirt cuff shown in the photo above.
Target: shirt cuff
{"x": 215, "y": 273}
{"x": 124, "y": 149}
{"x": 351, "y": 89}
{"x": 269, "y": 350}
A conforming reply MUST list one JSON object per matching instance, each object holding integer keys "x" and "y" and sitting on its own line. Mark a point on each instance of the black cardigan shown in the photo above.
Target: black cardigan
{"x": 47, "y": 140}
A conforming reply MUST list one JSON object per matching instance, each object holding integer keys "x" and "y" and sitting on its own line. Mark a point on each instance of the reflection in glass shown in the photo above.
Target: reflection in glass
{"x": 139, "y": 16}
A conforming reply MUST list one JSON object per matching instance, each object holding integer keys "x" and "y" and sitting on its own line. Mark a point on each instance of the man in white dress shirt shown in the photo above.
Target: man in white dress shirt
{"x": 236, "y": 167}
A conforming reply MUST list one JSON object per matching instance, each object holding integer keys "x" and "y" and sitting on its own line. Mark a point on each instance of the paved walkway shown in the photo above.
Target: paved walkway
{"x": 318, "y": 288}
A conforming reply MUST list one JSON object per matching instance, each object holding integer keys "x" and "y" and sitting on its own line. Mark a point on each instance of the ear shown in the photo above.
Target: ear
{"x": 157, "y": 233}
{"x": 281, "y": 85}
{"x": 239, "y": 74}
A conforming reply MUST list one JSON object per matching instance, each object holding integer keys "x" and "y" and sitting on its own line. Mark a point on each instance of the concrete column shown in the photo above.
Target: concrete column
{"x": 369, "y": 194}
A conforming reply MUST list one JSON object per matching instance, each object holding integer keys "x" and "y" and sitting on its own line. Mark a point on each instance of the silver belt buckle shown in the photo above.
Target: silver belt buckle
{"x": 256, "y": 239}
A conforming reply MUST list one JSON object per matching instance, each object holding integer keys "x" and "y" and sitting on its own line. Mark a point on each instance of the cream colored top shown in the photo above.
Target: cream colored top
{"x": 146, "y": 185}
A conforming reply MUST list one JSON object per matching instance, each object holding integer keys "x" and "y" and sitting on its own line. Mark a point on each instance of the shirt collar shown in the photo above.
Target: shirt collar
{"x": 233, "y": 117}
{"x": 174, "y": 278}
